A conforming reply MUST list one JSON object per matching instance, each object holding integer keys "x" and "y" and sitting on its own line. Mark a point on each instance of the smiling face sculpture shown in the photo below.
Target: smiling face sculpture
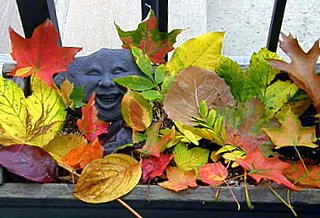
{"x": 95, "y": 73}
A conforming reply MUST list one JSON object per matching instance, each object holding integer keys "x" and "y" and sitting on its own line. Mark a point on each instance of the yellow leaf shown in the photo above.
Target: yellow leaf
{"x": 47, "y": 113}
{"x": 13, "y": 113}
{"x": 203, "y": 51}
{"x": 34, "y": 120}
{"x": 66, "y": 89}
{"x": 62, "y": 145}
{"x": 23, "y": 71}
{"x": 107, "y": 179}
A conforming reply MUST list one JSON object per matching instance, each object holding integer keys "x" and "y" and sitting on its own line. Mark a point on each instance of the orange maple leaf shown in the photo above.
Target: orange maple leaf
{"x": 213, "y": 174}
{"x": 79, "y": 157}
{"x": 40, "y": 55}
{"x": 179, "y": 180}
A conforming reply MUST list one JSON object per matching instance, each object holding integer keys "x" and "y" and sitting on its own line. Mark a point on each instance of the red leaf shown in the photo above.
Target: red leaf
{"x": 154, "y": 166}
{"x": 79, "y": 157}
{"x": 154, "y": 143}
{"x": 90, "y": 125}
{"x": 297, "y": 174}
{"x": 213, "y": 174}
{"x": 148, "y": 38}
{"x": 30, "y": 162}
{"x": 260, "y": 168}
{"x": 40, "y": 55}
{"x": 179, "y": 180}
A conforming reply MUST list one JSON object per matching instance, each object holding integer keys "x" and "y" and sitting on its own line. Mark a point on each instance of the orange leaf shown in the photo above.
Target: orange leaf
{"x": 154, "y": 143}
{"x": 302, "y": 69}
{"x": 291, "y": 133}
{"x": 40, "y": 55}
{"x": 260, "y": 168}
{"x": 79, "y": 157}
{"x": 213, "y": 174}
{"x": 90, "y": 125}
{"x": 179, "y": 180}
{"x": 297, "y": 174}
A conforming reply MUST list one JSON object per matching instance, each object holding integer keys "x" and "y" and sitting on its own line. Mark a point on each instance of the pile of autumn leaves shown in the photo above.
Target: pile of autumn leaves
{"x": 242, "y": 117}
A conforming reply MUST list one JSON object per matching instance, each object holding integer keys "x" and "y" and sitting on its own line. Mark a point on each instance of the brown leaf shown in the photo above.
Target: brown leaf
{"x": 302, "y": 69}
{"x": 190, "y": 87}
{"x": 179, "y": 180}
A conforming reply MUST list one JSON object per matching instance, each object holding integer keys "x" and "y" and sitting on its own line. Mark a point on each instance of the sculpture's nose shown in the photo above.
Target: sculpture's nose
{"x": 106, "y": 81}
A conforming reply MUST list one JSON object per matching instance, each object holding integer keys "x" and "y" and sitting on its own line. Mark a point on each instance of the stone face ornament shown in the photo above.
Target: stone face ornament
{"x": 95, "y": 73}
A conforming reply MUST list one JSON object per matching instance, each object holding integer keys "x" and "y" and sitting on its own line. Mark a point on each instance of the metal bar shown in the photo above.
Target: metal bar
{"x": 160, "y": 8}
{"x": 53, "y": 17}
{"x": 275, "y": 25}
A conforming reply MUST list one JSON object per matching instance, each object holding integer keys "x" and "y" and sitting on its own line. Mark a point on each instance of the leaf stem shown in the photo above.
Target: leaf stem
{"x": 131, "y": 210}
{"x": 281, "y": 199}
{"x": 303, "y": 164}
{"x": 246, "y": 192}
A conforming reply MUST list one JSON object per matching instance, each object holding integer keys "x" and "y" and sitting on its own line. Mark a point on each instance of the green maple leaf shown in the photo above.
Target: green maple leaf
{"x": 291, "y": 133}
{"x": 147, "y": 37}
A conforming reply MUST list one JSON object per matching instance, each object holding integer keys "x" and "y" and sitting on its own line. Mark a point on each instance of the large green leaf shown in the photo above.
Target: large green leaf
{"x": 137, "y": 83}
{"x": 203, "y": 51}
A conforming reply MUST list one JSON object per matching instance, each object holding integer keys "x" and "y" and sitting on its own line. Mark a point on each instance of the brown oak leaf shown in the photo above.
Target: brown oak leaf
{"x": 302, "y": 69}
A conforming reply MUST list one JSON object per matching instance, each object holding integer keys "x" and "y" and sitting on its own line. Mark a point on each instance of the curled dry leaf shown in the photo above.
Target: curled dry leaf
{"x": 30, "y": 162}
{"x": 302, "y": 69}
{"x": 179, "y": 180}
{"x": 213, "y": 174}
{"x": 190, "y": 87}
{"x": 107, "y": 179}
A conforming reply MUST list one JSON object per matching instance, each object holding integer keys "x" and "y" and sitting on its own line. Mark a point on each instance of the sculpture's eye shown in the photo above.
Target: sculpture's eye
{"x": 93, "y": 72}
{"x": 119, "y": 69}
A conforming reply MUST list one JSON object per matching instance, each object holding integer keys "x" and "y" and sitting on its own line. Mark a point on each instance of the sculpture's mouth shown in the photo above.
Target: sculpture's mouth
{"x": 108, "y": 101}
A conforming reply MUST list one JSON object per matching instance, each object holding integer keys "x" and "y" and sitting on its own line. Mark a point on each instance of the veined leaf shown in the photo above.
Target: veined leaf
{"x": 213, "y": 174}
{"x": 203, "y": 51}
{"x": 107, "y": 179}
{"x": 188, "y": 89}
{"x": 137, "y": 83}
{"x": 148, "y": 38}
{"x": 40, "y": 55}
{"x": 143, "y": 61}
{"x": 154, "y": 166}
{"x": 35, "y": 120}
{"x": 190, "y": 159}
{"x": 152, "y": 95}
{"x": 179, "y": 180}
{"x": 160, "y": 73}
{"x": 136, "y": 111}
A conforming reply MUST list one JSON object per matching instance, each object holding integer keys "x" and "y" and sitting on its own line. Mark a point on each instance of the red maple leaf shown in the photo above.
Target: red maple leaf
{"x": 79, "y": 157}
{"x": 90, "y": 125}
{"x": 40, "y": 55}
{"x": 260, "y": 168}
{"x": 154, "y": 166}
{"x": 213, "y": 174}
{"x": 149, "y": 39}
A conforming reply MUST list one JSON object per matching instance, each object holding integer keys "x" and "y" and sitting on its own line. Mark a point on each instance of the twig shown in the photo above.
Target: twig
{"x": 135, "y": 213}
